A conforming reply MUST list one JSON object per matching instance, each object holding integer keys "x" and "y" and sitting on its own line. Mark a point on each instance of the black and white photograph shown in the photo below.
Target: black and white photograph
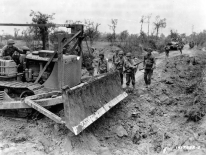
{"x": 102, "y": 77}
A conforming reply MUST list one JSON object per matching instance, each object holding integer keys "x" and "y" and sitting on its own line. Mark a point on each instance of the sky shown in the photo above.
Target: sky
{"x": 180, "y": 15}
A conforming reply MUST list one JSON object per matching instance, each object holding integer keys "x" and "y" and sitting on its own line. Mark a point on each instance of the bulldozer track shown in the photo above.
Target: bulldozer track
{"x": 1, "y": 95}
{"x": 16, "y": 84}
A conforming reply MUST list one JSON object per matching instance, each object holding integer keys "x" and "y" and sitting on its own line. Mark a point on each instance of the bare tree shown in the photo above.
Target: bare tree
{"x": 148, "y": 21}
{"x": 92, "y": 31}
{"x": 159, "y": 23}
{"x": 142, "y": 21}
{"x": 113, "y": 27}
{"x": 16, "y": 31}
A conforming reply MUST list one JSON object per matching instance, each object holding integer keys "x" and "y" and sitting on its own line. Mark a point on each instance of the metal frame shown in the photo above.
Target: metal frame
{"x": 61, "y": 44}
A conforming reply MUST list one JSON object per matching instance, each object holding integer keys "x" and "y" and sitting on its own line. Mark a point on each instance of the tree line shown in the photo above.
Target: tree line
{"x": 124, "y": 40}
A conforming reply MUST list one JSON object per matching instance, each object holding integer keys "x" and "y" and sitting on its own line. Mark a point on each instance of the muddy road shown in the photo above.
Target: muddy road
{"x": 165, "y": 119}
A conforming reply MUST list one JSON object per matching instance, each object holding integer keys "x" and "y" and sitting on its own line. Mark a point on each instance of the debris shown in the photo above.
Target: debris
{"x": 135, "y": 129}
{"x": 120, "y": 131}
{"x": 21, "y": 137}
{"x": 46, "y": 143}
{"x": 136, "y": 138}
{"x": 163, "y": 98}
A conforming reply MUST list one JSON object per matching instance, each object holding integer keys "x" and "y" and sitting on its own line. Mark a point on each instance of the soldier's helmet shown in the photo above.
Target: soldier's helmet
{"x": 128, "y": 54}
{"x": 121, "y": 53}
{"x": 25, "y": 48}
{"x": 10, "y": 42}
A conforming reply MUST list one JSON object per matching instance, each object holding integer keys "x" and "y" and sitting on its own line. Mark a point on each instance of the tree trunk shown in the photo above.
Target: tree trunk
{"x": 157, "y": 32}
{"x": 44, "y": 40}
{"x": 141, "y": 28}
{"x": 114, "y": 36}
{"x": 91, "y": 41}
{"x": 148, "y": 29}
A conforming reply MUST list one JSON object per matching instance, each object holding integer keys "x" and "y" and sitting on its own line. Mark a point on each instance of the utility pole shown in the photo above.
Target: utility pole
{"x": 148, "y": 22}
{"x": 192, "y": 32}
{"x": 142, "y": 21}
{"x": 148, "y": 17}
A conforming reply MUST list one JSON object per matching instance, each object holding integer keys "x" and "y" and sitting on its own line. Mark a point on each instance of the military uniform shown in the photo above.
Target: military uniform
{"x": 167, "y": 50}
{"x": 9, "y": 51}
{"x": 23, "y": 59}
{"x": 149, "y": 61}
{"x": 119, "y": 63}
{"x": 180, "y": 47}
{"x": 130, "y": 72}
{"x": 102, "y": 66}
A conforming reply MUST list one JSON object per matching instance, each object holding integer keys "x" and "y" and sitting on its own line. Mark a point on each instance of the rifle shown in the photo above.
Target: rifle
{"x": 138, "y": 63}
{"x": 143, "y": 69}
{"x": 133, "y": 65}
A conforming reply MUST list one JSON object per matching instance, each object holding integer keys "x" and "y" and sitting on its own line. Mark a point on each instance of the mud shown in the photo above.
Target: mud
{"x": 167, "y": 118}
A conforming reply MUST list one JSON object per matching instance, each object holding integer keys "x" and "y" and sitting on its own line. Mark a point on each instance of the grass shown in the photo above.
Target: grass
{"x": 98, "y": 45}
{"x": 18, "y": 43}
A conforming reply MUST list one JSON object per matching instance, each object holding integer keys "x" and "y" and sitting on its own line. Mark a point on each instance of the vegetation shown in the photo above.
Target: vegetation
{"x": 91, "y": 31}
{"x": 159, "y": 23}
{"x": 41, "y": 32}
{"x": 199, "y": 38}
{"x": 113, "y": 27}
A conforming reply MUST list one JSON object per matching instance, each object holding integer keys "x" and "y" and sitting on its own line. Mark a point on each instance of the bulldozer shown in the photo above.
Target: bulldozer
{"x": 52, "y": 77}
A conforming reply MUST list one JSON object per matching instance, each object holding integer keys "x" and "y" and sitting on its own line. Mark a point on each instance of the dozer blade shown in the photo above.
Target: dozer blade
{"x": 86, "y": 102}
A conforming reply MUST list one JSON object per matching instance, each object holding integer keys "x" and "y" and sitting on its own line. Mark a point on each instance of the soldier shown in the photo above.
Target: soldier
{"x": 102, "y": 64}
{"x": 9, "y": 49}
{"x": 129, "y": 70}
{"x": 149, "y": 66}
{"x": 119, "y": 63}
{"x": 180, "y": 47}
{"x": 116, "y": 55}
{"x": 22, "y": 58}
{"x": 167, "y": 50}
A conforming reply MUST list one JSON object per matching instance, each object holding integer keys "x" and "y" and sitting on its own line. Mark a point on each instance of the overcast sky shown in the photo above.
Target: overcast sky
{"x": 180, "y": 14}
